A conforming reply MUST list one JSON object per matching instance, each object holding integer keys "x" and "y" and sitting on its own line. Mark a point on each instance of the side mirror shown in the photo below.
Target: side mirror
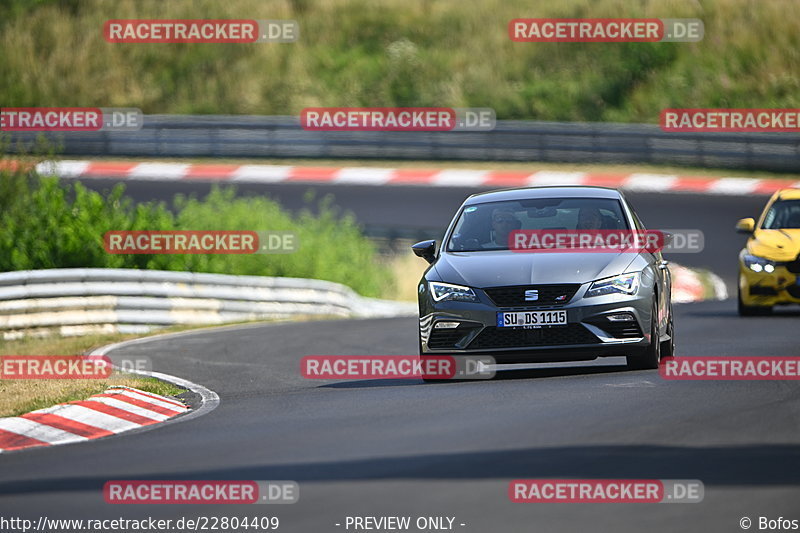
{"x": 746, "y": 225}
{"x": 425, "y": 250}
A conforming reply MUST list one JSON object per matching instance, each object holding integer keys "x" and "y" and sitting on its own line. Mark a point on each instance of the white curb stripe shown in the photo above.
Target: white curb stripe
{"x": 90, "y": 417}
{"x": 649, "y": 182}
{"x": 65, "y": 169}
{"x": 555, "y": 177}
{"x": 459, "y": 178}
{"x": 154, "y": 401}
{"x": 261, "y": 173}
{"x": 35, "y": 430}
{"x": 158, "y": 171}
{"x": 365, "y": 176}
{"x": 742, "y": 186}
{"x": 134, "y": 409}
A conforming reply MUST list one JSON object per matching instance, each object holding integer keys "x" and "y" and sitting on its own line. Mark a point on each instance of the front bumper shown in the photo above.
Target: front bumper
{"x": 780, "y": 287}
{"x": 588, "y": 335}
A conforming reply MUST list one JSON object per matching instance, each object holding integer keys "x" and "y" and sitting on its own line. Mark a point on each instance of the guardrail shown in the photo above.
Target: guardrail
{"x": 90, "y": 300}
{"x": 574, "y": 142}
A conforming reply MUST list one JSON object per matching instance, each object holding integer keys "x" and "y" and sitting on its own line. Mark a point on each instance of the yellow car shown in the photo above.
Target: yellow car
{"x": 769, "y": 265}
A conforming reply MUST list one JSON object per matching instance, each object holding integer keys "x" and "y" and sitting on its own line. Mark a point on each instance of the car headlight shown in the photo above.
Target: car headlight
{"x": 622, "y": 284}
{"x": 447, "y": 291}
{"x": 758, "y": 264}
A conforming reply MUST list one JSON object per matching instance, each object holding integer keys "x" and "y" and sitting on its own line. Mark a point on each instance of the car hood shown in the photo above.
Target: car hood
{"x": 775, "y": 244}
{"x": 498, "y": 268}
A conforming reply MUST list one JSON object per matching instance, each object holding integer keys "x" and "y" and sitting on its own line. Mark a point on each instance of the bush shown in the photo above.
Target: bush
{"x": 47, "y": 224}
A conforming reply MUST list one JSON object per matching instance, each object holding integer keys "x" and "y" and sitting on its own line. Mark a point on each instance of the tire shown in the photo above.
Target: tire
{"x": 751, "y": 310}
{"x": 433, "y": 380}
{"x": 668, "y": 346}
{"x": 427, "y": 380}
{"x": 649, "y": 359}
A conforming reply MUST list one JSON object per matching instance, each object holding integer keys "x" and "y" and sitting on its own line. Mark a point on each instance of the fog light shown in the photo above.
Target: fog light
{"x": 620, "y": 317}
{"x": 446, "y": 325}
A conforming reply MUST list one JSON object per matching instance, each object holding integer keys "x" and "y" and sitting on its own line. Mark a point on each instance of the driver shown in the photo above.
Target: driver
{"x": 793, "y": 220}
{"x": 589, "y": 218}
{"x": 503, "y": 222}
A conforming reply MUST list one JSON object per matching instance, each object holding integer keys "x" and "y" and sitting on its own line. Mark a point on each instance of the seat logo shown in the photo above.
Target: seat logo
{"x": 531, "y": 295}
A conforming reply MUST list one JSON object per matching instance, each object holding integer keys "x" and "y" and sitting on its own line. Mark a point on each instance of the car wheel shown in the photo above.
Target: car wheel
{"x": 751, "y": 310}
{"x": 668, "y": 347}
{"x": 652, "y": 354}
{"x": 432, "y": 380}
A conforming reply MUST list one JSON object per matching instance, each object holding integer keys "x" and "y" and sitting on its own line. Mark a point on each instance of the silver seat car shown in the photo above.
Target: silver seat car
{"x": 484, "y": 295}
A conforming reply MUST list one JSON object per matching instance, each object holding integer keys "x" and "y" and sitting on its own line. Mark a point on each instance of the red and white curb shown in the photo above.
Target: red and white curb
{"x": 155, "y": 171}
{"x": 116, "y": 410}
{"x": 687, "y": 286}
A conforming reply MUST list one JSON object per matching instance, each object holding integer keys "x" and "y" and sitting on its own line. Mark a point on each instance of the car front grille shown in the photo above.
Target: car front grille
{"x": 514, "y": 296}
{"x": 757, "y": 290}
{"x": 494, "y": 337}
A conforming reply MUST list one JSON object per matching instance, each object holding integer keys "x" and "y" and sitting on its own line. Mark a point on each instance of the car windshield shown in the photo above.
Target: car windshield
{"x": 783, "y": 215}
{"x": 487, "y": 226}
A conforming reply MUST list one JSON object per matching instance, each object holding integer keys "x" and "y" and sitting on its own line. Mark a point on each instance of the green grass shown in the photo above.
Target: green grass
{"x": 395, "y": 52}
{"x": 30, "y": 397}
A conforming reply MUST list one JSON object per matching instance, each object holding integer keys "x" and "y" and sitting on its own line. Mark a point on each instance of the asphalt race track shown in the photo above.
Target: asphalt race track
{"x": 403, "y": 448}
{"x": 424, "y": 212}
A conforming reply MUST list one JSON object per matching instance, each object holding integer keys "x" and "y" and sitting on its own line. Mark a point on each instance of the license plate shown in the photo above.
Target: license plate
{"x": 531, "y": 319}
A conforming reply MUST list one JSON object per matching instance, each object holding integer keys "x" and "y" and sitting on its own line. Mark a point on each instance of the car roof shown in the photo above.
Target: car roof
{"x": 523, "y": 193}
{"x": 788, "y": 194}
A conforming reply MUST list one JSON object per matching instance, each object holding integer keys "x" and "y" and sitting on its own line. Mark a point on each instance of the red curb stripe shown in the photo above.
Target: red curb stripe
{"x": 606, "y": 180}
{"x": 14, "y": 441}
{"x": 215, "y": 172}
{"x": 769, "y": 186}
{"x": 312, "y": 173}
{"x": 109, "y": 169}
{"x": 65, "y": 424}
{"x": 154, "y": 396}
{"x": 140, "y": 403}
{"x": 12, "y": 165}
{"x": 413, "y": 176}
{"x": 693, "y": 183}
{"x": 114, "y": 411}
{"x": 511, "y": 179}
